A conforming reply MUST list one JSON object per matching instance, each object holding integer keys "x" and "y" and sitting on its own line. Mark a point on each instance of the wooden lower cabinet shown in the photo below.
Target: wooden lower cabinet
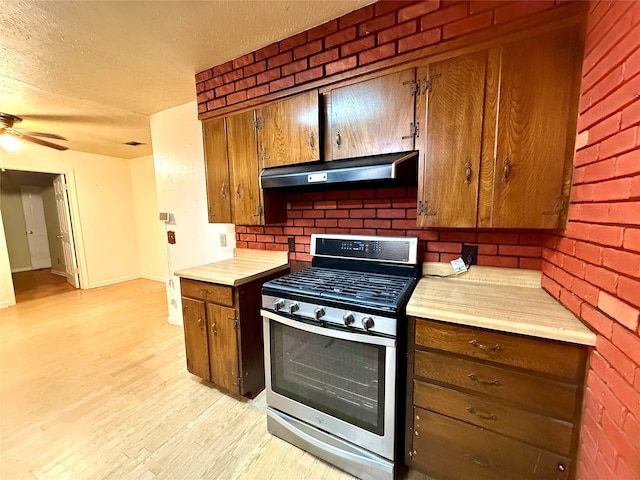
{"x": 491, "y": 405}
{"x": 223, "y": 334}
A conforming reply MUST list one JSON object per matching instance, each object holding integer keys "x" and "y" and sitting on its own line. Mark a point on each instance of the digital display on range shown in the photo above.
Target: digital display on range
{"x": 397, "y": 251}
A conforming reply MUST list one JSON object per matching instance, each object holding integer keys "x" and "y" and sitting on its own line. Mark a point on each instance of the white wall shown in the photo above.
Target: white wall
{"x": 179, "y": 164}
{"x": 101, "y": 200}
{"x": 150, "y": 229}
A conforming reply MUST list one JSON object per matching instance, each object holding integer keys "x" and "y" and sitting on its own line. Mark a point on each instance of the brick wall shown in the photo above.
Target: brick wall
{"x": 594, "y": 267}
{"x": 360, "y": 38}
{"x": 387, "y": 211}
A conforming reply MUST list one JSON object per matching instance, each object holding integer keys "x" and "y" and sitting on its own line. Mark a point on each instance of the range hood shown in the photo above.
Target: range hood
{"x": 402, "y": 166}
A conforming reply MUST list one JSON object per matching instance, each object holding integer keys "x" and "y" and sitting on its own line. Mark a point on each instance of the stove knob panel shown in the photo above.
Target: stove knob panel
{"x": 367, "y": 323}
{"x": 294, "y": 307}
{"x": 348, "y": 319}
{"x": 278, "y": 304}
{"x": 318, "y": 313}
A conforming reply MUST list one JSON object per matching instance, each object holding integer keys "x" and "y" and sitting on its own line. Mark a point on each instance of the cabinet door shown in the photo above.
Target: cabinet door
{"x": 223, "y": 347}
{"x": 246, "y": 201}
{"x": 288, "y": 130}
{"x": 195, "y": 337}
{"x": 217, "y": 170}
{"x": 373, "y": 117}
{"x": 450, "y": 164}
{"x": 535, "y": 131}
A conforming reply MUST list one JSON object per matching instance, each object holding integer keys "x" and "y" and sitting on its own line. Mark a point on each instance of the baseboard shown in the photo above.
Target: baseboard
{"x": 6, "y": 304}
{"x": 113, "y": 281}
{"x": 59, "y": 273}
{"x": 21, "y": 269}
{"x": 156, "y": 278}
{"x": 175, "y": 321}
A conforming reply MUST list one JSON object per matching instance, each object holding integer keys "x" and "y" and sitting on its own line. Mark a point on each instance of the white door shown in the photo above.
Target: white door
{"x": 36, "y": 227}
{"x": 66, "y": 232}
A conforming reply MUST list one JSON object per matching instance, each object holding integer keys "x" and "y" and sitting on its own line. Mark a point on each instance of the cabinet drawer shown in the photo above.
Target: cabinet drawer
{"x": 448, "y": 449}
{"x": 544, "y": 432}
{"x": 546, "y": 396}
{"x": 546, "y": 356}
{"x": 209, "y": 292}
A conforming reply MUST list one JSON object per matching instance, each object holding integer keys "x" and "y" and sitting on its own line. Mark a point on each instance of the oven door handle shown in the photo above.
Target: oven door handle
{"x": 333, "y": 333}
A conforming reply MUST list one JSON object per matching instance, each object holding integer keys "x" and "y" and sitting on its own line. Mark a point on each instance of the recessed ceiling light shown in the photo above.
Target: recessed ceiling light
{"x": 133, "y": 143}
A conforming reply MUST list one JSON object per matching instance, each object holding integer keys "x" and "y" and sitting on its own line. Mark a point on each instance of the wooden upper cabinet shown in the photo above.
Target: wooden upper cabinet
{"x": 536, "y": 113}
{"x": 453, "y": 96}
{"x": 246, "y": 198}
{"x": 223, "y": 347}
{"x": 217, "y": 171}
{"x": 289, "y": 130}
{"x": 374, "y": 116}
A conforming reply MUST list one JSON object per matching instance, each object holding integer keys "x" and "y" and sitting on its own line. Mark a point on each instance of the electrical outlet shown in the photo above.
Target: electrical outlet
{"x": 223, "y": 239}
{"x": 291, "y": 241}
{"x": 469, "y": 254}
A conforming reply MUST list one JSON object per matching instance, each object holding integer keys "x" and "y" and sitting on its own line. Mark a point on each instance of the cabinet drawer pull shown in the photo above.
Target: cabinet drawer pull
{"x": 312, "y": 140}
{"x": 205, "y": 292}
{"x": 467, "y": 174}
{"x": 475, "y": 378}
{"x": 496, "y": 348}
{"x": 480, "y": 463}
{"x": 506, "y": 170}
{"x": 481, "y": 414}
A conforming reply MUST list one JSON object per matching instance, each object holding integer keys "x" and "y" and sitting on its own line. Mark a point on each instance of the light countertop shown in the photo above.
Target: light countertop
{"x": 503, "y": 299}
{"x": 245, "y": 266}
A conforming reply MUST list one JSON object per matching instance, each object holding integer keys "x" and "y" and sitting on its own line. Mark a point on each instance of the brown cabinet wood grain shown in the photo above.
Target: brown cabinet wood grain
{"x": 500, "y": 129}
{"x": 216, "y": 170}
{"x": 374, "y": 116}
{"x": 289, "y": 130}
{"x": 482, "y": 405}
{"x": 223, "y": 334}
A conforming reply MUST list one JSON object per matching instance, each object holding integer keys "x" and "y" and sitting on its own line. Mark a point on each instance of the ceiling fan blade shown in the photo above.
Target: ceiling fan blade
{"x": 43, "y": 135}
{"x": 44, "y": 143}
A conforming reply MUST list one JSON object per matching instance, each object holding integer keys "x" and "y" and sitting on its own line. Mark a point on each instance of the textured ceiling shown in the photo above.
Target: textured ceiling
{"x": 93, "y": 71}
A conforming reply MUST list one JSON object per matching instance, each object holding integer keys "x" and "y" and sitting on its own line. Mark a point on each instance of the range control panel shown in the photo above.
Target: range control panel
{"x": 385, "y": 249}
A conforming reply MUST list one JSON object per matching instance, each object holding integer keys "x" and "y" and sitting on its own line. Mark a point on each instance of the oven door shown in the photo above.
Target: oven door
{"x": 338, "y": 381}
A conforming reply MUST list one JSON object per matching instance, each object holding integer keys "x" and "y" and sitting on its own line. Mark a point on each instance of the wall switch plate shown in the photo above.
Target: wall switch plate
{"x": 223, "y": 239}
{"x": 469, "y": 254}
{"x": 291, "y": 242}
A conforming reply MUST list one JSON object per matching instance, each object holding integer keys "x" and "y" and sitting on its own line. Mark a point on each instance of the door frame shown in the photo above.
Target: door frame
{"x": 75, "y": 220}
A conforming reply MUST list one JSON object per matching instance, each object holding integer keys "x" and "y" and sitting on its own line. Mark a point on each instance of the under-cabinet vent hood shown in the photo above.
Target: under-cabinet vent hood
{"x": 402, "y": 167}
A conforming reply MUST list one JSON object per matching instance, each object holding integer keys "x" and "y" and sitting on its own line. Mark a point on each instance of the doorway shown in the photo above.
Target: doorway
{"x": 43, "y": 263}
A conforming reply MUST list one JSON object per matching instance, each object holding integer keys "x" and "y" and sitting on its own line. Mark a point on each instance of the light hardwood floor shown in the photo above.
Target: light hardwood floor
{"x": 93, "y": 385}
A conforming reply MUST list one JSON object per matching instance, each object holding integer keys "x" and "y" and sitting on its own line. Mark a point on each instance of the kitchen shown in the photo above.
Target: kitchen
{"x": 570, "y": 272}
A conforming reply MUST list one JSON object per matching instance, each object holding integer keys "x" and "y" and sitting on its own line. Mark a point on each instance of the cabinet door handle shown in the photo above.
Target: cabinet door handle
{"x": 200, "y": 323}
{"x": 312, "y": 140}
{"x": 223, "y": 192}
{"x": 467, "y": 173}
{"x": 481, "y": 414}
{"x": 475, "y": 378}
{"x": 213, "y": 328}
{"x": 496, "y": 348}
{"x": 238, "y": 190}
{"x": 506, "y": 170}
{"x": 338, "y": 139}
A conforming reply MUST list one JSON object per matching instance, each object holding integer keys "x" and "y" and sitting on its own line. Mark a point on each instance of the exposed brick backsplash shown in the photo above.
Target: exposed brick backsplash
{"x": 388, "y": 211}
{"x": 593, "y": 268}
{"x": 363, "y": 37}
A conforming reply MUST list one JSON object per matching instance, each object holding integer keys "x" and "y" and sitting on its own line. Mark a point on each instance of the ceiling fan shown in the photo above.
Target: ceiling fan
{"x": 7, "y": 121}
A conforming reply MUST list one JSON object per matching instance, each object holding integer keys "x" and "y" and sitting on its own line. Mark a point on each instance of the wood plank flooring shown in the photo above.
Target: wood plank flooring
{"x": 37, "y": 284}
{"x": 93, "y": 385}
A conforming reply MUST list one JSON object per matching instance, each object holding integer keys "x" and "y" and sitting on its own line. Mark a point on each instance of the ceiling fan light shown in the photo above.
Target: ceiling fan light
{"x": 9, "y": 143}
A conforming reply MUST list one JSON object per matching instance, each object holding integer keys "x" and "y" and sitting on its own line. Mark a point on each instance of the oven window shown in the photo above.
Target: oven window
{"x": 341, "y": 378}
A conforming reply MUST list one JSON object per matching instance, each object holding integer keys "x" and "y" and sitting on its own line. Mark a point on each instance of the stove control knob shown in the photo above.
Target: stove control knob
{"x": 278, "y": 304}
{"x": 318, "y": 313}
{"x": 367, "y": 323}
{"x": 294, "y": 307}
{"x": 348, "y": 319}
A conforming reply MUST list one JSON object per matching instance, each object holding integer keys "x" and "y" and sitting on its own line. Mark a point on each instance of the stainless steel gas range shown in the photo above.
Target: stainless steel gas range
{"x": 335, "y": 343}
